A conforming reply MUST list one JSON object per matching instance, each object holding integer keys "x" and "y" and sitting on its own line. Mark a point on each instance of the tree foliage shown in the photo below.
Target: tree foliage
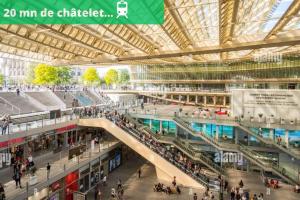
{"x": 124, "y": 76}
{"x": 64, "y": 75}
{"x": 50, "y": 75}
{"x": 45, "y": 75}
{"x": 1, "y": 79}
{"x": 90, "y": 76}
{"x": 111, "y": 77}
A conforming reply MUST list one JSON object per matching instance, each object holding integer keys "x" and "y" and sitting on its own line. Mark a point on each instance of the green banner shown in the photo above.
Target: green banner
{"x": 81, "y": 11}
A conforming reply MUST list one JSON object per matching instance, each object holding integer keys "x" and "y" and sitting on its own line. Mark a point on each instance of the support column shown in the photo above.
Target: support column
{"x": 160, "y": 126}
{"x": 215, "y": 100}
{"x": 224, "y": 101}
{"x": 236, "y": 136}
{"x": 188, "y": 98}
{"x": 204, "y": 128}
{"x": 286, "y": 138}
{"x": 217, "y": 132}
{"x": 204, "y": 100}
{"x": 271, "y": 134}
{"x": 150, "y": 124}
{"x": 90, "y": 182}
{"x": 65, "y": 139}
{"x": 248, "y": 166}
{"x": 172, "y": 97}
{"x": 196, "y": 99}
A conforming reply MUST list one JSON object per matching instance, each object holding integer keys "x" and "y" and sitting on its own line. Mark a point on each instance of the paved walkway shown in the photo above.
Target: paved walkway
{"x": 139, "y": 189}
{"x": 57, "y": 167}
{"x": 254, "y": 184}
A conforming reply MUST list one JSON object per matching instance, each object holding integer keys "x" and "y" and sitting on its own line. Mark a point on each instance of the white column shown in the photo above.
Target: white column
{"x": 286, "y": 138}
{"x": 217, "y": 132}
{"x": 204, "y": 128}
{"x": 236, "y": 137}
{"x": 160, "y": 126}
{"x": 150, "y": 124}
{"x": 271, "y": 134}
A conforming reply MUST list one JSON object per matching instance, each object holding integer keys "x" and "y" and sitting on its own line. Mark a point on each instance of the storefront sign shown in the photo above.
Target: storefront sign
{"x": 66, "y": 128}
{"x": 11, "y": 142}
{"x": 266, "y": 103}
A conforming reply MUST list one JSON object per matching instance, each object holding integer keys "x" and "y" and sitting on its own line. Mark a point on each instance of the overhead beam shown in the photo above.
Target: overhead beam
{"x": 227, "y": 19}
{"x": 285, "y": 19}
{"x": 85, "y": 38}
{"x": 278, "y": 42}
{"x": 27, "y": 38}
{"x": 173, "y": 27}
{"x": 293, "y": 10}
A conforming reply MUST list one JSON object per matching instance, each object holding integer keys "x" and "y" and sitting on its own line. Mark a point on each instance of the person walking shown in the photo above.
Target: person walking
{"x": 139, "y": 173}
{"x": 17, "y": 178}
{"x": 104, "y": 180}
{"x": 195, "y": 197}
{"x": 48, "y": 170}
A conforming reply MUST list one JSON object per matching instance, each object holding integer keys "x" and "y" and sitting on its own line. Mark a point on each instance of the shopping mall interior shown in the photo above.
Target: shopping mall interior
{"x": 205, "y": 106}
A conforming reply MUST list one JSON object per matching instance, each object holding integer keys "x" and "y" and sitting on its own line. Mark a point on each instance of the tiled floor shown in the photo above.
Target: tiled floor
{"x": 254, "y": 184}
{"x": 140, "y": 189}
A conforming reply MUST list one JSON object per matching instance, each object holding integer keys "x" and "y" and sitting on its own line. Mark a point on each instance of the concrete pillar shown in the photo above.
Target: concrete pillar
{"x": 248, "y": 166}
{"x": 271, "y": 134}
{"x": 188, "y": 98}
{"x": 150, "y": 124}
{"x": 215, "y": 100}
{"x": 65, "y": 139}
{"x": 217, "y": 132}
{"x": 224, "y": 101}
{"x": 196, "y": 99}
{"x": 236, "y": 136}
{"x": 286, "y": 138}
{"x": 90, "y": 182}
{"x": 160, "y": 126}
{"x": 204, "y": 100}
{"x": 204, "y": 128}
{"x": 172, "y": 96}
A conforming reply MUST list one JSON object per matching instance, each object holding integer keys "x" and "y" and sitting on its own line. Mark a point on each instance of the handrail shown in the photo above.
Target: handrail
{"x": 202, "y": 135}
{"x": 187, "y": 149}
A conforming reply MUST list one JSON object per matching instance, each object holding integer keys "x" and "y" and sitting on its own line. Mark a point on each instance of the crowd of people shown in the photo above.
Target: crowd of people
{"x": 172, "y": 155}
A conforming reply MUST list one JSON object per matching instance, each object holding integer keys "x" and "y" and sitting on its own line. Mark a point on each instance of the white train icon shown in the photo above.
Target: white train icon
{"x": 122, "y": 8}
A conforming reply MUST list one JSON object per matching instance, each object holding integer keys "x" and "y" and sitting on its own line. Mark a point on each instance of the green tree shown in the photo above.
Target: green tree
{"x": 45, "y": 75}
{"x": 1, "y": 79}
{"x": 64, "y": 75}
{"x": 111, "y": 77}
{"x": 123, "y": 76}
{"x": 90, "y": 76}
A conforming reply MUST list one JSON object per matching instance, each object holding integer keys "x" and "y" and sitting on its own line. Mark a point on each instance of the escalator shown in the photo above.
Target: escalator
{"x": 132, "y": 138}
{"x": 249, "y": 154}
{"x": 246, "y": 127}
{"x": 221, "y": 146}
{"x": 188, "y": 150}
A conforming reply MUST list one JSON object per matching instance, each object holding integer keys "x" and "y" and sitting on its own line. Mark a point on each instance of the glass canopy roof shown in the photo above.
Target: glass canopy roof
{"x": 193, "y": 31}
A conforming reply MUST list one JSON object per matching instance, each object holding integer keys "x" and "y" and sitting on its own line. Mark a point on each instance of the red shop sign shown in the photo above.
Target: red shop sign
{"x": 65, "y": 129}
{"x": 11, "y": 141}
